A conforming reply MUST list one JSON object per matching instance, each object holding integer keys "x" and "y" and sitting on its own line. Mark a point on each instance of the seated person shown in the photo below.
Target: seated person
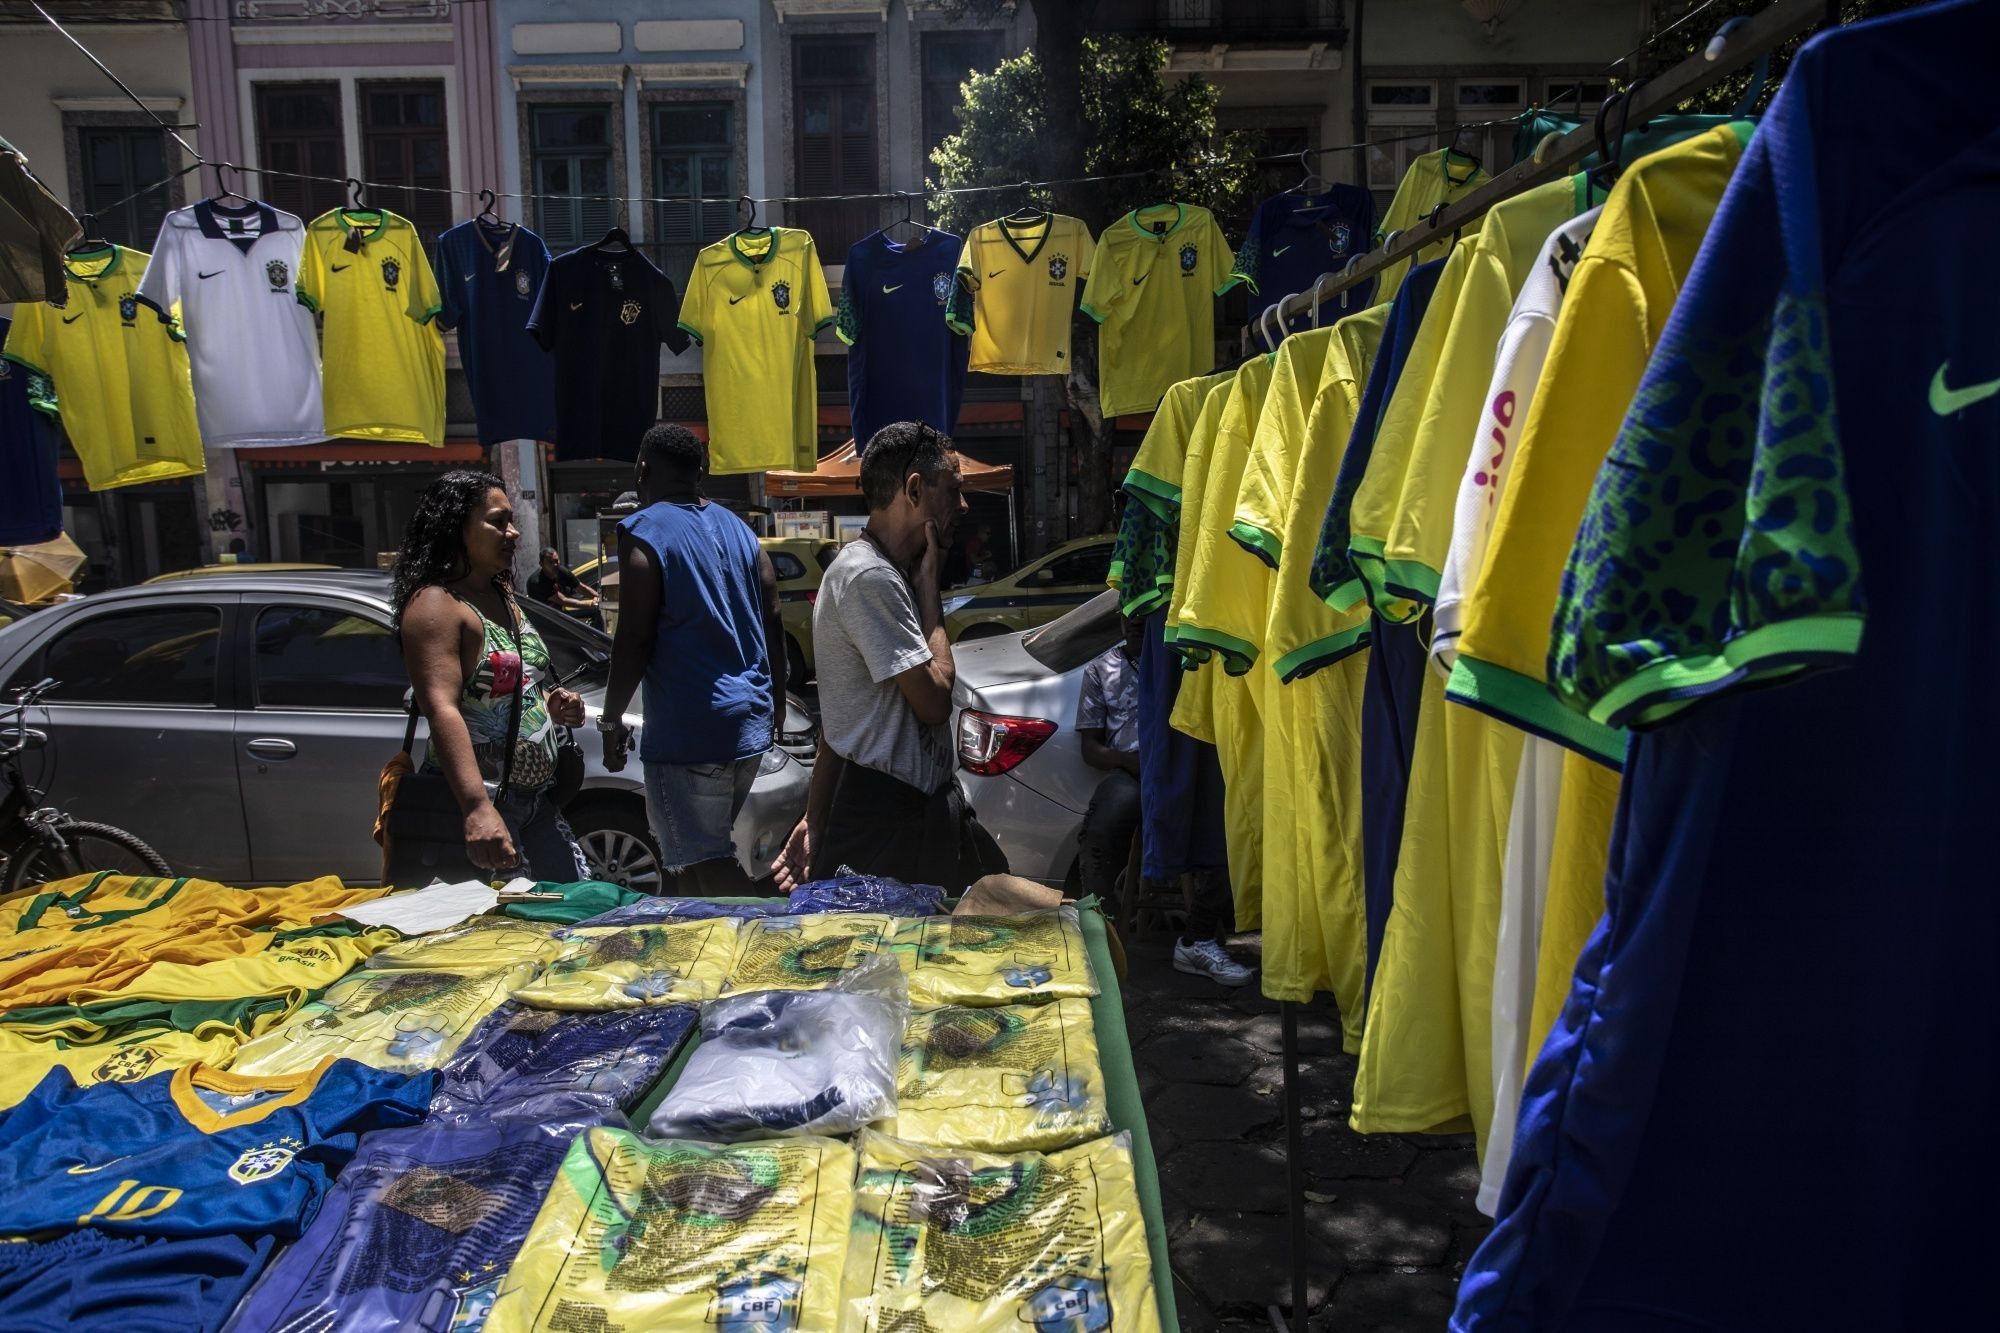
{"x": 556, "y": 586}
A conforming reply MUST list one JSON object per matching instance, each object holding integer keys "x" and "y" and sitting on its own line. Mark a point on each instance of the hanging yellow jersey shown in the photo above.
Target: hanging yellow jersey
{"x": 120, "y": 368}
{"x": 1006, "y": 1078}
{"x": 808, "y": 952}
{"x": 638, "y": 1235}
{"x": 1152, "y": 291}
{"x": 396, "y": 1019}
{"x": 1155, "y": 476}
{"x": 978, "y": 960}
{"x": 755, "y": 302}
{"x": 1194, "y": 702}
{"x": 627, "y": 967}
{"x": 1442, "y": 177}
{"x": 1017, "y": 284}
{"x": 988, "y": 1243}
{"x": 366, "y": 275}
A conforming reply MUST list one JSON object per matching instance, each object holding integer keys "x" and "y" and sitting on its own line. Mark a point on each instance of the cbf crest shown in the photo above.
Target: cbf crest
{"x": 1190, "y": 256}
{"x": 127, "y": 1066}
{"x": 261, "y": 1163}
{"x": 1341, "y": 235}
{"x": 781, "y": 296}
{"x": 128, "y": 308}
{"x": 1058, "y": 267}
{"x": 628, "y": 313}
{"x": 941, "y": 287}
{"x": 392, "y": 273}
{"x": 279, "y": 273}
{"x": 523, "y": 288}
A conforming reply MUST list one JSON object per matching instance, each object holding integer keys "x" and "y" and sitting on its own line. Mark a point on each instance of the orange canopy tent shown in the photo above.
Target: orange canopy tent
{"x": 839, "y": 473}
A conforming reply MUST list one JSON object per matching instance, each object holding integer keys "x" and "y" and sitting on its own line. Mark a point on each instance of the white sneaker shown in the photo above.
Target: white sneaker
{"x": 1206, "y": 958}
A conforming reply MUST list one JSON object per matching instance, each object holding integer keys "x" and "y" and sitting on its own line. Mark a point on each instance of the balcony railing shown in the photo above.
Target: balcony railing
{"x": 1227, "y": 20}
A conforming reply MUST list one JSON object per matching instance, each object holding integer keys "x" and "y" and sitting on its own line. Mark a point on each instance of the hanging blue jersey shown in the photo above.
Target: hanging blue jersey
{"x": 488, "y": 278}
{"x": 88, "y": 1280}
{"x": 417, "y": 1234}
{"x": 1751, "y": 1112}
{"x": 30, "y": 494}
{"x": 197, "y": 1152}
{"x": 904, "y": 363}
{"x": 1295, "y": 238}
{"x": 550, "y": 1062}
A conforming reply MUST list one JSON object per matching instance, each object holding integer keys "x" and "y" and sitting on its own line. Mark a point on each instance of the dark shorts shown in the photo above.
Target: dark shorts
{"x": 880, "y": 825}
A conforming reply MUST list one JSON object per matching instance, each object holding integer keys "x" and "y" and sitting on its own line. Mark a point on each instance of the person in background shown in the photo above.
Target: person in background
{"x": 554, "y": 585}
{"x": 885, "y": 798}
{"x": 698, "y": 622}
{"x": 467, "y": 647}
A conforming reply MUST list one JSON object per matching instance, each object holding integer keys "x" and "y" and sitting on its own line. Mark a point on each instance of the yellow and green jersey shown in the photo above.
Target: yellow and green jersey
{"x": 629, "y": 967}
{"x": 404, "y": 1019}
{"x": 1017, "y": 285}
{"x": 366, "y": 275}
{"x": 1194, "y": 711}
{"x": 1442, "y": 177}
{"x": 1004, "y": 1078}
{"x": 1024, "y": 958}
{"x": 1152, "y": 292}
{"x": 755, "y": 302}
{"x": 120, "y": 369}
{"x": 1142, "y": 559}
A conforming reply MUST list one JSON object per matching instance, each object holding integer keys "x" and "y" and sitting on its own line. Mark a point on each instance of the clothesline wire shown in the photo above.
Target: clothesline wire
{"x": 1678, "y": 23}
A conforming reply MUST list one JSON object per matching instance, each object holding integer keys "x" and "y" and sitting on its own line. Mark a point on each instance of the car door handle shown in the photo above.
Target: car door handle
{"x": 28, "y": 738}
{"x": 272, "y": 749}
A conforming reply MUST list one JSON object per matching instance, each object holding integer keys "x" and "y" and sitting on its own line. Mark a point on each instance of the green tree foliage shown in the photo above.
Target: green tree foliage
{"x": 1675, "y": 36}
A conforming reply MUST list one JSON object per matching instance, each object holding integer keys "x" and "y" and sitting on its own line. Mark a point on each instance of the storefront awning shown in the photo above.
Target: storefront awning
{"x": 839, "y": 473}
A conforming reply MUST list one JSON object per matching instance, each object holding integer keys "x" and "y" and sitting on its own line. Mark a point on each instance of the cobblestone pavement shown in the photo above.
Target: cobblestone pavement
{"x": 1389, "y": 1217}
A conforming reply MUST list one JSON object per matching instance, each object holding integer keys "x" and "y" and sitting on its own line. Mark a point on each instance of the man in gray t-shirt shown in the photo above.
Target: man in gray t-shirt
{"x": 884, "y": 798}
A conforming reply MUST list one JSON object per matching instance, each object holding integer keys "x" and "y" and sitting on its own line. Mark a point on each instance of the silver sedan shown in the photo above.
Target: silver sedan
{"x": 238, "y": 723}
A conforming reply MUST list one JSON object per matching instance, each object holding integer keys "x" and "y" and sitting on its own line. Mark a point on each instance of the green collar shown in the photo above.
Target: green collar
{"x": 1048, "y": 226}
{"x": 1180, "y": 216}
{"x": 759, "y": 260}
{"x": 117, "y": 253}
{"x": 348, "y": 219}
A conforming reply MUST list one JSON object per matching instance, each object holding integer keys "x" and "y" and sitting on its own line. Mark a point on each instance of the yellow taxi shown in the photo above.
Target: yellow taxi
{"x": 241, "y": 567}
{"x": 798, "y": 562}
{"x": 1032, "y": 595}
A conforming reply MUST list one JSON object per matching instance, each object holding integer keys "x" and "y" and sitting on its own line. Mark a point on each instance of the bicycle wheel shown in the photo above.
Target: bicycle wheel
{"x": 87, "y": 848}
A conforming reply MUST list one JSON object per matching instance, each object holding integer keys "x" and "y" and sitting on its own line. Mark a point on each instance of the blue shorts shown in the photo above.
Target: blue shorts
{"x": 693, "y": 807}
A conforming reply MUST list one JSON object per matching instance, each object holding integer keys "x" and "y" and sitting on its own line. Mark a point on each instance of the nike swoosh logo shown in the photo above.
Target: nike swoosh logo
{"x": 71, "y": 319}
{"x": 216, "y": 274}
{"x": 576, "y": 305}
{"x": 1141, "y": 278}
{"x": 734, "y": 299}
{"x": 81, "y": 1170}
{"x": 1947, "y": 402}
{"x": 996, "y": 272}
{"x": 897, "y": 288}
{"x": 1280, "y": 250}
{"x": 342, "y": 268}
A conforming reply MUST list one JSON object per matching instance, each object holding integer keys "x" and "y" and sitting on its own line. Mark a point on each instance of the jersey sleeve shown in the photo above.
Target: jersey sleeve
{"x": 26, "y": 339}
{"x": 667, "y": 315}
{"x": 819, "y": 304}
{"x": 162, "y": 283}
{"x": 1086, "y": 253}
{"x": 424, "y": 300}
{"x": 847, "y": 318}
{"x": 1266, "y": 490}
{"x": 958, "y": 309}
{"x": 1215, "y": 259}
{"x": 311, "y": 285}
{"x": 451, "y": 285}
{"x": 694, "y": 304}
{"x": 1105, "y": 289}
{"x": 545, "y": 320}
{"x": 1250, "y": 255}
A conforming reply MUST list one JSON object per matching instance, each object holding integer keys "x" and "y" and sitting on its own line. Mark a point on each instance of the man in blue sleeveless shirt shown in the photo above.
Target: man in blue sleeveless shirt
{"x": 698, "y": 622}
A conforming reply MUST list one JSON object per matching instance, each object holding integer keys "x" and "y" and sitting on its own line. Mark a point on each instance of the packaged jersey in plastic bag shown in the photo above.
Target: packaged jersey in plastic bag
{"x": 623, "y": 967}
{"x": 793, "y": 1062}
{"x": 849, "y": 892}
{"x": 486, "y": 941}
{"x": 980, "y": 960}
{"x": 805, "y": 952}
{"x": 418, "y": 1232}
{"x": 406, "y": 1019}
{"x": 1000, "y": 1079}
{"x": 651, "y": 910}
{"x": 995, "y": 1243}
{"x": 523, "y": 1061}
{"x": 637, "y": 1235}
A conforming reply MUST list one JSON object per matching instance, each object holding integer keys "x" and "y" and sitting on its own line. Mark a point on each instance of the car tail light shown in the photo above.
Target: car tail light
{"x": 991, "y": 743}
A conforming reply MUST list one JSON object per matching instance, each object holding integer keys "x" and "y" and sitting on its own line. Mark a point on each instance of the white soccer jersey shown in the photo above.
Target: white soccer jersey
{"x": 254, "y": 350}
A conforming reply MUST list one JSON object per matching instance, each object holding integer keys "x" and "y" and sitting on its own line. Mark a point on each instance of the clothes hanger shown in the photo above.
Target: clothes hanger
{"x": 1029, "y": 211}
{"x": 359, "y": 200}
{"x": 1348, "y": 268}
{"x": 744, "y": 201}
{"x": 924, "y": 229}
{"x": 1611, "y": 149}
{"x": 1310, "y": 183}
{"x": 90, "y": 240}
{"x": 486, "y": 214}
{"x": 615, "y": 242}
{"x": 226, "y": 185}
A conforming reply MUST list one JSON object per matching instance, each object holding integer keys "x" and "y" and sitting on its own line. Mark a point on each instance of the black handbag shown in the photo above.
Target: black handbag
{"x": 569, "y": 769}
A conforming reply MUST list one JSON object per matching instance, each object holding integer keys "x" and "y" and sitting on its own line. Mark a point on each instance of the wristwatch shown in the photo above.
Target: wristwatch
{"x": 609, "y": 723}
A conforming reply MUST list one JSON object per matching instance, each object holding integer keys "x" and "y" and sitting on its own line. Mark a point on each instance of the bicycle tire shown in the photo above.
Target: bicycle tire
{"x": 27, "y": 867}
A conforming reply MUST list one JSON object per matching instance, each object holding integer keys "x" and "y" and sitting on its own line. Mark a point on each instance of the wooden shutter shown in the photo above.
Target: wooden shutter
{"x": 405, "y": 144}
{"x": 835, "y": 117}
{"x": 299, "y": 130}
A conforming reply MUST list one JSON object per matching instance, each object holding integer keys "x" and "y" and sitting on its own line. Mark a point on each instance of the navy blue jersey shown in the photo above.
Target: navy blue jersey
{"x": 1180, "y": 778}
{"x": 1295, "y": 238}
{"x": 30, "y": 494}
{"x": 604, "y": 315}
{"x": 1774, "y": 1037}
{"x": 88, "y": 1281}
{"x": 904, "y": 363}
{"x": 488, "y": 278}
{"x": 195, "y": 1152}
{"x": 417, "y": 1234}
{"x": 521, "y": 1060}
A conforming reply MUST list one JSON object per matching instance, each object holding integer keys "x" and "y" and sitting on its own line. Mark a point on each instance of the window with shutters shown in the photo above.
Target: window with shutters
{"x": 949, "y": 59}
{"x": 833, "y": 87}
{"x": 693, "y": 154}
{"x": 117, "y": 161}
{"x": 404, "y": 144}
{"x": 570, "y": 155}
{"x": 299, "y": 131}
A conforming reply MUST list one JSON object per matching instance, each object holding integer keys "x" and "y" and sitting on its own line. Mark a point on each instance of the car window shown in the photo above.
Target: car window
{"x": 1089, "y": 565}
{"x": 827, "y": 551}
{"x": 160, "y": 656}
{"x": 319, "y": 657}
{"x": 572, "y": 644}
{"x": 1077, "y": 635}
{"x": 787, "y": 565}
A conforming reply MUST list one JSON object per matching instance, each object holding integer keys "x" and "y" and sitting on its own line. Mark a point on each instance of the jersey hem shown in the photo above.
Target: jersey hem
{"x": 1155, "y": 494}
{"x": 1257, "y": 542}
{"x": 306, "y": 301}
{"x": 1321, "y": 653}
{"x": 845, "y": 336}
{"x": 1389, "y": 582}
{"x": 1093, "y": 312}
{"x": 1238, "y": 655}
{"x": 30, "y": 367}
{"x": 690, "y": 330}
{"x": 429, "y": 315}
{"x": 959, "y": 327}
{"x": 820, "y": 327}
{"x": 1659, "y": 690}
{"x": 1346, "y": 595}
{"x": 1523, "y": 702}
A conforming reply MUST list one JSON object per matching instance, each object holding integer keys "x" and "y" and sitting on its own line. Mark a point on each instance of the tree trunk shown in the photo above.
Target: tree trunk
{"x": 1090, "y": 436}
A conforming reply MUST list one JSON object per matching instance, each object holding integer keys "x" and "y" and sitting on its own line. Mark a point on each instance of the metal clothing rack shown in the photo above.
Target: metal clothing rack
{"x": 1737, "y": 46}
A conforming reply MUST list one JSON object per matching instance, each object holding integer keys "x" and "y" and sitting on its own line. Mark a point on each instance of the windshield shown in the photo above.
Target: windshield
{"x": 1073, "y": 638}
{"x": 576, "y": 650}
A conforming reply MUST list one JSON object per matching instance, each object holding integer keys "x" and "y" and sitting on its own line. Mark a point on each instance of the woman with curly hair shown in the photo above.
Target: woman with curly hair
{"x": 467, "y": 647}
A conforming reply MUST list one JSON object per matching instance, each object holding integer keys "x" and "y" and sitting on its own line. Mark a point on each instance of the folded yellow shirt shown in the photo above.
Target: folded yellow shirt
{"x": 628, "y": 967}
{"x": 399, "y": 1019}
{"x": 807, "y": 952}
{"x": 1000, "y": 1079}
{"x": 982, "y": 960}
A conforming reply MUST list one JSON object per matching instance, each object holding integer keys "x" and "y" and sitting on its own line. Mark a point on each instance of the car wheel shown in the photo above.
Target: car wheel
{"x": 795, "y": 663}
{"x": 982, "y": 632}
{"x": 617, "y": 845}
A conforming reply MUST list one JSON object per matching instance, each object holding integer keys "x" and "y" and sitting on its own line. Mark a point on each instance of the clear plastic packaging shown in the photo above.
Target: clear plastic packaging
{"x": 408, "y": 1019}
{"x": 994, "y": 1243}
{"x": 549, "y": 1063}
{"x": 848, "y": 891}
{"x": 806, "y": 952}
{"x": 487, "y": 941}
{"x": 651, "y": 911}
{"x": 982, "y": 960}
{"x": 1005, "y": 1078}
{"x": 624, "y": 967}
{"x": 686, "y": 1236}
{"x": 792, "y": 1062}
{"x": 419, "y": 1231}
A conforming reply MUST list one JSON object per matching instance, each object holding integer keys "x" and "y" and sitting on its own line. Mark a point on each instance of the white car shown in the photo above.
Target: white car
{"x": 1020, "y": 759}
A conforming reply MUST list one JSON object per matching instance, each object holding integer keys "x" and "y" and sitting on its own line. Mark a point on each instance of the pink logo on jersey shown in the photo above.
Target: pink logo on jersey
{"x": 1489, "y": 476}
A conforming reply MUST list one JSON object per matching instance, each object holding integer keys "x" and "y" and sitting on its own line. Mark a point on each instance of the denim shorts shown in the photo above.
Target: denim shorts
{"x": 693, "y": 807}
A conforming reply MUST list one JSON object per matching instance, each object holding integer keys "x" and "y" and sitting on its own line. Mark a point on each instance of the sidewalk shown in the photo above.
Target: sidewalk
{"x": 1390, "y": 1217}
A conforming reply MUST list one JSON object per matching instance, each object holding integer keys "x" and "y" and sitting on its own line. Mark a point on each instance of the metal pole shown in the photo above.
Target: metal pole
{"x": 1295, "y": 1157}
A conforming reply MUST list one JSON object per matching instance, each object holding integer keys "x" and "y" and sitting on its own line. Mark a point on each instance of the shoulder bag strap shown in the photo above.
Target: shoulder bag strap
{"x": 520, "y": 684}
